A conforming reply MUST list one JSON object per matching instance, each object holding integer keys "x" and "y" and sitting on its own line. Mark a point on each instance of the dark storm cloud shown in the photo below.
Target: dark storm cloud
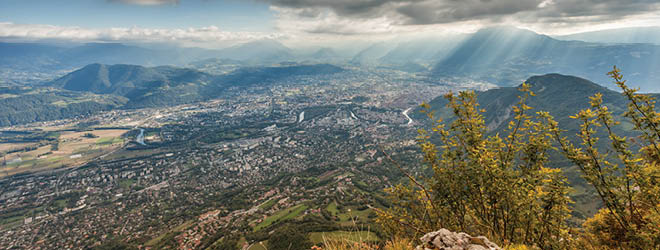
{"x": 352, "y": 8}
{"x": 589, "y": 8}
{"x": 447, "y": 11}
{"x": 452, "y": 11}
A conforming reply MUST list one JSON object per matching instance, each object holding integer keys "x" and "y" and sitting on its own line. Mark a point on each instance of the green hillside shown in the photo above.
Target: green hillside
{"x": 25, "y": 105}
{"x": 562, "y": 96}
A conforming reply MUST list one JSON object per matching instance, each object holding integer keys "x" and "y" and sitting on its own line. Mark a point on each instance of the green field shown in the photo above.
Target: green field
{"x": 109, "y": 140}
{"x": 11, "y": 222}
{"x": 126, "y": 183}
{"x": 282, "y": 215}
{"x": 60, "y": 204}
{"x": 332, "y": 208}
{"x": 259, "y": 246}
{"x": 346, "y": 217}
{"x": 267, "y": 205}
{"x": 52, "y": 135}
{"x": 53, "y": 159}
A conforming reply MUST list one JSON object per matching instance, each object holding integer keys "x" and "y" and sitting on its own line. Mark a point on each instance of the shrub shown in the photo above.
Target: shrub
{"x": 495, "y": 186}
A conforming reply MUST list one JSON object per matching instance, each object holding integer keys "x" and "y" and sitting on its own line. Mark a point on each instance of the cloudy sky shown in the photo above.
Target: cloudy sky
{"x": 217, "y": 23}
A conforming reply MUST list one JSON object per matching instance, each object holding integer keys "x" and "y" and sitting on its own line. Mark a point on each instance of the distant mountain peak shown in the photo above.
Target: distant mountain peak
{"x": 107, "y": 44}
{"x": 92, "y": 66}
{"x": 509, "y": 32}
{"x": 269, "y": 43}
{"x": 264, "y": 50}
{"x": 503, "y": 28}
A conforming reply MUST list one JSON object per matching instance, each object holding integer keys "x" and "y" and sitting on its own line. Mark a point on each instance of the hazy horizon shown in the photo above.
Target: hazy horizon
{"x": 220, "y": 24}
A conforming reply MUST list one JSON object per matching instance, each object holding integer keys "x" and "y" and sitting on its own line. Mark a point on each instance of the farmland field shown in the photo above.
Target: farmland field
{"x": 69, "y": 149}
{"x": 281, "y": 215}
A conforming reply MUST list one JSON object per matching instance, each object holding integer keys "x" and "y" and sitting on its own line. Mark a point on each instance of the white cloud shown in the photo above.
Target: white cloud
{"x": 208, "y": 36}
{"x": 327, "y": 22}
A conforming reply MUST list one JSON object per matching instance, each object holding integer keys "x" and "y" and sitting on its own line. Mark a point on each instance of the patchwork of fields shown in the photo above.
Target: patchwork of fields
{"x": 67, "y": 149}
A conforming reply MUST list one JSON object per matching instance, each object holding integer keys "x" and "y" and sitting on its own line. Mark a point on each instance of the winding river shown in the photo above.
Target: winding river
{"x": 405, "y": 113}
{"x": 140, "y": 138}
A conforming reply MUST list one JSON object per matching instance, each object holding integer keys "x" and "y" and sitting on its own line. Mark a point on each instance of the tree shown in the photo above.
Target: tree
{"x": 229, "y": 243}
{"x": 288, "y": 237}
{"x": 627, "y": 182}
{"x": 115, "y": 244}
{"x": 90, "y": 135}
{"x": 497, "y": 186}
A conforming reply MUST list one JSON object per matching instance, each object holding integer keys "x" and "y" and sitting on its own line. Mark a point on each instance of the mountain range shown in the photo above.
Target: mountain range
{"x": 257, "y": 52}
{"x": 99, "y": 87}
{"x": 623, "y": 35}
{"x": 561, "y": 95}
{"x": 33, "y": 56}
{"x": 167, "y": 85}
{"x": 498, "y": 55}
{"x": 506, "y": 56}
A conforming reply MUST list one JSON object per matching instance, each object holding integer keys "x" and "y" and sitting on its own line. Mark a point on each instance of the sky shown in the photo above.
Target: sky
{"x": 221, "y": 23}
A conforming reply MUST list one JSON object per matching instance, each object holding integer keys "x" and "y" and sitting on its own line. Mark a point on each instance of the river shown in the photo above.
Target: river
{"x": 301, "y": 117}
{"x": 405, "y": 113}
{"x": 140, "y": 138}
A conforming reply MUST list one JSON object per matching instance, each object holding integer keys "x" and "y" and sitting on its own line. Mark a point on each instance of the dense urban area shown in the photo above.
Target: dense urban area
{"x": 191, "y": 174}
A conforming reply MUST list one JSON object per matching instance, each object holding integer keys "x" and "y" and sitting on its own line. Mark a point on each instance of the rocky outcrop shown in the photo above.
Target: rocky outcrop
{"x": 447, "y": 240}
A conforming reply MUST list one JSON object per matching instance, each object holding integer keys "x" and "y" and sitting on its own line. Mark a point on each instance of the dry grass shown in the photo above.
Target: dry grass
{"x": 345, "y": 244}
{"x": 74, "y": 141}
{"x": 5, "y": 147}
